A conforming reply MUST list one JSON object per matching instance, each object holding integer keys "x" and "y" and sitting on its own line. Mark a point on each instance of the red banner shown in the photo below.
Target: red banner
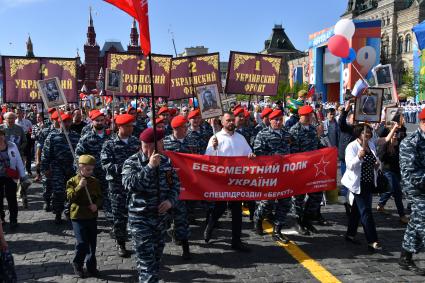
{"x": 136, "y": 78}
{"x": 253, "y": 74}
{"x": 187, "y": 73}
{"x": 22, "y": 73}
{"x": 216, "y": 178}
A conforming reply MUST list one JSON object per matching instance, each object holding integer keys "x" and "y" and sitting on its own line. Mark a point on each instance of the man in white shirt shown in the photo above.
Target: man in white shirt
{"x": 26, "y": 125}
{"x": 227, "y": 142}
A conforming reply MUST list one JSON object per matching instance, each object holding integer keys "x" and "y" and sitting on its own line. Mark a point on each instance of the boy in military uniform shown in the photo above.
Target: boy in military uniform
{"x": 84, "y": 215}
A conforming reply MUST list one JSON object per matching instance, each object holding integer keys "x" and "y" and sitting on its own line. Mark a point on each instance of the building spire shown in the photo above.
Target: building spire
{"x": 30, "y": 51}
{"x": 91, "y": 34}
{"x": 90, "y": 18}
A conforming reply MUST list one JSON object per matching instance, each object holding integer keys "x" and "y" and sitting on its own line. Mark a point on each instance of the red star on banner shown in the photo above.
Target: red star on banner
{"x": 321, "y": 166}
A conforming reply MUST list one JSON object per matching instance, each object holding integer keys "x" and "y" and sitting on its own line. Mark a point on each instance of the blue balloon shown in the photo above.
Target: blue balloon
{"x": 351, "y": 57}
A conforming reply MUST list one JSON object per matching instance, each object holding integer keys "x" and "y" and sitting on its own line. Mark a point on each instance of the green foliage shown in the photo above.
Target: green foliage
{"x": 408, "y": 87}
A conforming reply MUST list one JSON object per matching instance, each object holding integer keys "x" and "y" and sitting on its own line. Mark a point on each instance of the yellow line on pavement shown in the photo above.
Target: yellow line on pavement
{"x": 315, "y": 268}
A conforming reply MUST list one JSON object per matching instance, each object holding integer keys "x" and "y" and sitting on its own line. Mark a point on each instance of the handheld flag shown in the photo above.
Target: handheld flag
{"x": 138, "y": 9}
{"x": 311, "y": 91}
{"x": 359, "y": 87}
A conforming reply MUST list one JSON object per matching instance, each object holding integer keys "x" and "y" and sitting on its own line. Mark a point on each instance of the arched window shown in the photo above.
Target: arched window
{"x": 385, "y": 48}
{"x": 408, "y": 43}
{"x": 400, "y": 45}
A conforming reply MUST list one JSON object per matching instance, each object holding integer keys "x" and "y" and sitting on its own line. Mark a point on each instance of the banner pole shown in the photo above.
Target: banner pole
{"x": 113, "y": 111}
{"x": 153, "y": 102}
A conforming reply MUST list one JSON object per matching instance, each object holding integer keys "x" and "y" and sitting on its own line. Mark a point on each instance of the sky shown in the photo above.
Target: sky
{"x": 58, "y": 27}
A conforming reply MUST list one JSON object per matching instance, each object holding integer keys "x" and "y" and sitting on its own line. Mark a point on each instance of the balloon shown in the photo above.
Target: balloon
{"x": 338, "y": 45}
{"x": 345, "y": 27}
{"x": 351, "y": 57}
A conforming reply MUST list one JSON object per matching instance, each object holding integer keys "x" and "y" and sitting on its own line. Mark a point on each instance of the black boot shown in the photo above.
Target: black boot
{"x": 186, "y": 253}
{"x": 78, "y": 270}
{"x": 209, "y": 229}
{"x": 406, "y": 263}
{"x": 258, "y": 226}
{"x": 47, "y": 207}
{"x": 122, "y": 251}
{"x": 306, "y": 221}
{"x": 299, "y": 226}
{"x": 58, "y": 218}
{"x": 278, "y": 235}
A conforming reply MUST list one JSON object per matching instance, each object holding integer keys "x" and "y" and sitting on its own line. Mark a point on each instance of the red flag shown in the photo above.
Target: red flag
{"x": 138, "y": 9}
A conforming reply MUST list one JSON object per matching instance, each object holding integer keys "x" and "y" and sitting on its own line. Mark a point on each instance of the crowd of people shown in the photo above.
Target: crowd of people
{"x": 94, "y": 159}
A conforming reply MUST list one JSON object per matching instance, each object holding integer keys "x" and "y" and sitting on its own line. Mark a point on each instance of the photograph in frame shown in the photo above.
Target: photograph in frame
{"x": 390, "y": 97}
{"x": 209, "y": 101}
{"x": 392, "y": 114}
{"x": 113, "y": 80}
{"x": 51, "y": 92}
{"x": 383, "y": 75}
{"x": 368, "y": 107}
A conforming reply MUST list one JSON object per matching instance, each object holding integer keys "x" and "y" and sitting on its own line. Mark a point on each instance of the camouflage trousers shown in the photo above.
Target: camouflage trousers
{"x": 181, "y": 223}
{"x": 60, "y": 175}
{"x": 7, "y": 268}
{"x": 118, "y": 197}
{"x": 106, "y": 204}
{"x": 265, "y": 208}
{"x": 148, "y": 235}
{"x": 47, "y": 188}
{"x": 414, "y": 237}
{"x": 310, "y": 207}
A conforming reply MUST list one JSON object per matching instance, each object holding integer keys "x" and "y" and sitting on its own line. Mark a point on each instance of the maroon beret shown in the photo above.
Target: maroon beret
{"x": 66, "y": 117}
{"x": 305, "y": 110}
{"x": 422, "y": 115}
{"x": 194, "y": 113}
{"x": 276, "y": 113}
{"x": 238, "y": 111}
{"x": 163, "y": 109}
{"x": 178, "y": 121}
{"x": 95, "y": 113}
{"x": 147, "y": 136}
{"x": 265, "y": 112}
{"x": 124, "y": 119}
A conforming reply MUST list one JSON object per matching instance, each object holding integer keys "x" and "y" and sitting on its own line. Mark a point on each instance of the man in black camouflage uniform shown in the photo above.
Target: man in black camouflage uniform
{"x": 114, "y": 152}
{"x": 164, "y": 113}
{"x": 270, "y": 141}
{"x": 197, "y": 133}
{"x": 139, "y": 125}
{"x": 153, "y": 187}
{"x": 46, "y": 181}
{"x": 178, "y": 142}
{"x": 57, "y": 163}
{"x": 412, "y": 164}
{"x": 265, "y": 122}
{"x": 241, "y": 128}
{"x": 305, "y": 138}
{"x": 91, "y": 143}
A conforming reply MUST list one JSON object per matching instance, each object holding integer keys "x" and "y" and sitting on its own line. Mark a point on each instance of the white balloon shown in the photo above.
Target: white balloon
{"x": 345, "y": 27}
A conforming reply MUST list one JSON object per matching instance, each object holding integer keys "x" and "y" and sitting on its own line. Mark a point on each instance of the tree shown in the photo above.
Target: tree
{"x": 409, "y": 87}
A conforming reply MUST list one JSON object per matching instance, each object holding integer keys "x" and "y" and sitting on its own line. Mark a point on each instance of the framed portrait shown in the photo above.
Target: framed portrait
{"x": 113, "y": 80}
{"x": 383, "y": 75}
{"x": 209, "y": 101}
{"x": 368, "y": 107}
{"x": 51, "y": 92}
{"x": 390, "y": 98}
{"x": 393, "y": 114}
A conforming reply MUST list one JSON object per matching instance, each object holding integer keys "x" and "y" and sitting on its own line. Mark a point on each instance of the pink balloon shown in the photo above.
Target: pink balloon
{"x": 338, "y": 45}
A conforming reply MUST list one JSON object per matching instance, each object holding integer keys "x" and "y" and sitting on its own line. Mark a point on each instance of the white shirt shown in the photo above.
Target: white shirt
{"x": 352, "y": 175}
{"x": 229, "y": 145}
{"x": 25, "y": 124}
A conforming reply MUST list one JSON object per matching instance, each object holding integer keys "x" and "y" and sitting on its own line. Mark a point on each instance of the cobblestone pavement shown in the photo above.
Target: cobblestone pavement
{"x": 43, "y": 252}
